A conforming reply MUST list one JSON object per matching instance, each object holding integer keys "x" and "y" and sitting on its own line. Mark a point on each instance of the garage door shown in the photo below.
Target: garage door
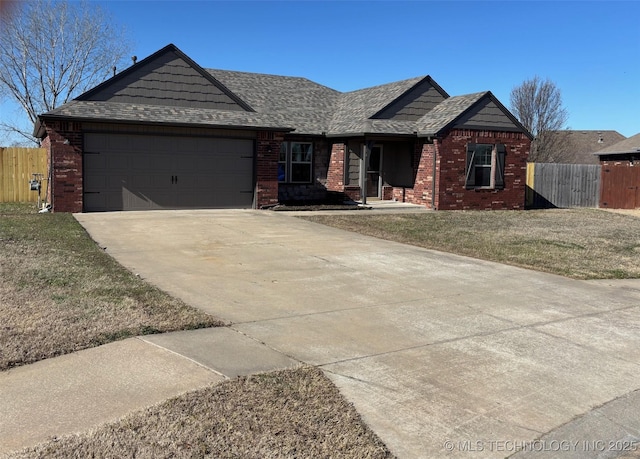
{"x": 140, "y": 172}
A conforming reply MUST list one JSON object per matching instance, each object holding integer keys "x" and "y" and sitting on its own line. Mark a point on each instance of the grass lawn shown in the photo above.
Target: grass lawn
{"x": 578, "y": 243}
{"x": 60, "y": 293}
{"x": 292, "y": 413}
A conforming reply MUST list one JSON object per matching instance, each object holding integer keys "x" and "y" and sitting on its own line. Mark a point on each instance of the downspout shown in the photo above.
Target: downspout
{"x": 433, "y": 182}
{"x": 363, "y": 173}
{"x": 49, "y": 194}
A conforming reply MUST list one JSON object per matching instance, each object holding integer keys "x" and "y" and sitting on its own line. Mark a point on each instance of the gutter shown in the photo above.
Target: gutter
{"x": 613, "y": 153}
{"x": 158, "y": 123}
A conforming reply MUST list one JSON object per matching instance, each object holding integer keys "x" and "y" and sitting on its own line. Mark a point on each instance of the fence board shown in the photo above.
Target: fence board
{"x": 563, "y": 185}
{"x": 16, "y": 166}
{"x": 620, "y": 187}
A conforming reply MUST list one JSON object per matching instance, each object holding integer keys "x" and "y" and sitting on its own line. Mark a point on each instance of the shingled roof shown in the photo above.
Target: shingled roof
{"x": 579, "y": 146}
{"x": 447, "y": 112}
{"x": 182, "y": 116}
{"x": 169, "y": 88}
{"x": 354, "y": 109}
{"x": 626, "y": 146}
{"x": 300, "y": 102}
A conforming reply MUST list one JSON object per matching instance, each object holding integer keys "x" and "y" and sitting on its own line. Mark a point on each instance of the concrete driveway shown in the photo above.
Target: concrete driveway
{"x": 442, "y": 355}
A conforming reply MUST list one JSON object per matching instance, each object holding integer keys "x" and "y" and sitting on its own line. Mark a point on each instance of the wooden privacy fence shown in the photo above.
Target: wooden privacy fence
{"x": 620, "y": 187}
{"x": 562, "y": 185}
{"x": 16, "y": 168}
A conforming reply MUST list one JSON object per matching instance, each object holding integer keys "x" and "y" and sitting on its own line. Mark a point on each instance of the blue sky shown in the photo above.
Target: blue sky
{"x": 591, "y": 50}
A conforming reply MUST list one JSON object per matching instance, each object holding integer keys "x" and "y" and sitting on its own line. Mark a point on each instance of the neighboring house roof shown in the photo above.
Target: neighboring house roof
{"x": 578, "y": 146}
{"x": 170, "y": 88}
{"x": 626, "y": 146}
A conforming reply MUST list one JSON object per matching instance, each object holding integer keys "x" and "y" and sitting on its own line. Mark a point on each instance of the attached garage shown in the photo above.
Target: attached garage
{"x": 147, "y": 172}
{"x": 166, "y": 133}
{"x": 162, "y": 134}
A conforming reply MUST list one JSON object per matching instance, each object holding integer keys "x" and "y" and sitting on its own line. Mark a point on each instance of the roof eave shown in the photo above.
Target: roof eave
{"x": 614, "y": 153}
{"x": 39, "y": 131}
{"x": 369, "y": 134}
{"x": 163, "y": 123}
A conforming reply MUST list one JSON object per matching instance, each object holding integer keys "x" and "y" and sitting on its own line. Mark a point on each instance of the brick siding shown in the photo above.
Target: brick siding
{"x": 452, "y": 194}
{"x": 267, "y": 154}
{"x": 335, "y": 172}
{"x": 64, "y": 141}
{"x": 450, "y": 155}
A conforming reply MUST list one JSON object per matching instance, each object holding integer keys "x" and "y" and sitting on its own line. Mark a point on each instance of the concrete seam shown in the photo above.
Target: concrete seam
{"x": 141, "y": 338}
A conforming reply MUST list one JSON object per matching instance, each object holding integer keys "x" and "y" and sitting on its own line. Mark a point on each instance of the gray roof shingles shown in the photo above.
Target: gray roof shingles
{"x": 302, "y": 103}
{"x": 144, "y": 113}
{"x": 626, "y": 146}
{"x": 354, "y": 108}
{"x": 281, "y": 102}
{"x": 446, "y": 112}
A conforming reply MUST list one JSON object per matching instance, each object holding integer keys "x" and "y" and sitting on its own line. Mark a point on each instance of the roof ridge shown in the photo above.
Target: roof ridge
{"x": 399, "y": 82}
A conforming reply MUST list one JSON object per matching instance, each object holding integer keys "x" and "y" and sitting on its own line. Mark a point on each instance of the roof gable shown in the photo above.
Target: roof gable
{"x": 415, "y": 102}
{"x": 168, "y": 78}
{"x": 355, "y": 107}
{"x": 479, "y": 111}
{"x": 170, "y": 88}
{"x": 486, "y": 115}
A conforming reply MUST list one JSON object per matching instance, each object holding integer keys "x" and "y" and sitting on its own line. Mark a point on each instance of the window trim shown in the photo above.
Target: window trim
{"x": 496, "y": 181}
{"x": 288, "y": 162}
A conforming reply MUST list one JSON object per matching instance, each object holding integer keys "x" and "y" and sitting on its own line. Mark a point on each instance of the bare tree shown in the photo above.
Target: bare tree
{"x": 50, "y": 52}
{"x": 538, "y": 106}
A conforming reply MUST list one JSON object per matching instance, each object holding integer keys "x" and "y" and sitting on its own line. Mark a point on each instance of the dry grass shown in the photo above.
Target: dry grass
{"x": 294, "y": 413}
{"x": 60, "y": 293}
{"x": 578, "y": 243}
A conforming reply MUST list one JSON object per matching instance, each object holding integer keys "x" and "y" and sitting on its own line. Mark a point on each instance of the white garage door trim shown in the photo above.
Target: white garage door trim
{"x": 147, "y": 172}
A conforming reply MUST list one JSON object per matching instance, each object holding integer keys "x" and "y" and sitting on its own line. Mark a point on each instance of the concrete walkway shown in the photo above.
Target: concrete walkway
{"x": 442, "y": 355}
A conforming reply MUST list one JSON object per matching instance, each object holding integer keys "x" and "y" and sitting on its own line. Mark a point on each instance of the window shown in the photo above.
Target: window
{"x": 485, "y": 166}
{"x": 295, "y": 162}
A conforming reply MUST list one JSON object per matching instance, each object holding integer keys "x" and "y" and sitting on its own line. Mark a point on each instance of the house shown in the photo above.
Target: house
{"x": 620, "y": 179}
{"x": 166, "y": 134}
{"x": 578, "y": 146}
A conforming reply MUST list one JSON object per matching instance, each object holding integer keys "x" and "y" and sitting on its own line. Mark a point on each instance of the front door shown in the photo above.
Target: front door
{"x": 374, "y": 172}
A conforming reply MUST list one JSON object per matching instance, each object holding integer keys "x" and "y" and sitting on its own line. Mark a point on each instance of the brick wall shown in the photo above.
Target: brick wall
{"x": 288, "y": 192}
{"x": 422, "y": 192}
{"x": 630, "y": 161}
{"x": 452, "y": 194}
{"x": 353, "y": 192}
{"x": 335, "y": 172}
{"x": 267, "y": 153}
{"x": 64, "y": 142}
